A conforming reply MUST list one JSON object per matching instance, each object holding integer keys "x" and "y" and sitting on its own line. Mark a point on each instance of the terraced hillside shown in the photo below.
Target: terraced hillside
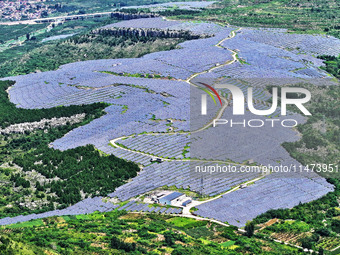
{"x": 148, "y": 115}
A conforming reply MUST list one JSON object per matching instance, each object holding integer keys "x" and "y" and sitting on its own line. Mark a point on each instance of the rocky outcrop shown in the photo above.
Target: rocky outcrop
{"x": 117, "y": 15}
{"x": 150, "y": 32}
{"x": 128, "y": 16}
{"x": 43, "y": 124}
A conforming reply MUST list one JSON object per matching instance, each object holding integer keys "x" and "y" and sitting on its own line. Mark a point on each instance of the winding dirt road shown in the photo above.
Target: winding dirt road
{"x": 186, "y": 210}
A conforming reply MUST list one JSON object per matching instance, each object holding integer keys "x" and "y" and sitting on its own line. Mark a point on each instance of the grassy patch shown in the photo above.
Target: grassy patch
{"x": 33, "y": 223}
{"x": 186, "y": 222}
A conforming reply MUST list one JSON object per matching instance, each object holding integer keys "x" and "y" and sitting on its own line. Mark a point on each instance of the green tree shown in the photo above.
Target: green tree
{"x": 321, "y": 251}
{"x": 250, "y": 228}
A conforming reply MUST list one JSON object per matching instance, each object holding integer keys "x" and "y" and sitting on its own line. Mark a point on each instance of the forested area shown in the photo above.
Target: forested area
{"x": 15, "y": 31}
{"x": 332, "y": 65}
{"x": 68, "y": 176}
{"x": 82, "y": 169}
{"x": 26, "y": 38}
{"x": 320, "y": 134}
{"x": 82, "y": 47}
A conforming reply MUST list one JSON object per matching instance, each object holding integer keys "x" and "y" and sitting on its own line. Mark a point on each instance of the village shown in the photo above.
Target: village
{"x": 20, "y": 10}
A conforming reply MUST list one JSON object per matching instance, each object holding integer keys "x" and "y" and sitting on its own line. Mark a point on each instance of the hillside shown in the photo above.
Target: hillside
{"x": 321, "y": 17}
{"x": 120, "y": 233}
{"x": 175, "y": 128}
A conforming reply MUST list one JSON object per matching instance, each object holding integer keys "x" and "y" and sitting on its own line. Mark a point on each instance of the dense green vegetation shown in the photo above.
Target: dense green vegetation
{"x": 316, "y": 224}
{"x": 332, "y": 65}
{"x": 15, "y": 50}
{"x": 318, "y": 16}
{"x": 120, "y": 233}
{"x": 320, "y": 134}
{"x": 78, "y": 170}
{"x": 15, "y": 31}
{"x": 88, "y": 46}
{"x": 66, "y": 177}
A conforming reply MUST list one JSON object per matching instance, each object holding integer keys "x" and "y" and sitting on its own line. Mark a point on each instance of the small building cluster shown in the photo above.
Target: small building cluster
{"x": 173, "y": 198}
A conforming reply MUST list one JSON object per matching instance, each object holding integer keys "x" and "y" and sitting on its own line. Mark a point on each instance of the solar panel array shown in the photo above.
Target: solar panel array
{"x": 139, "y": 105}
{"x": 181, "y": 175}
{"x": 272, "y": 192}
{"x": 269, "y": 54}
{"x": 168, "y": 146}
{"x": 161, "y": 23}
{"x": 134, "y": 206}
{"x": 241, "y": 142}
{"x": 298, "y": 43}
